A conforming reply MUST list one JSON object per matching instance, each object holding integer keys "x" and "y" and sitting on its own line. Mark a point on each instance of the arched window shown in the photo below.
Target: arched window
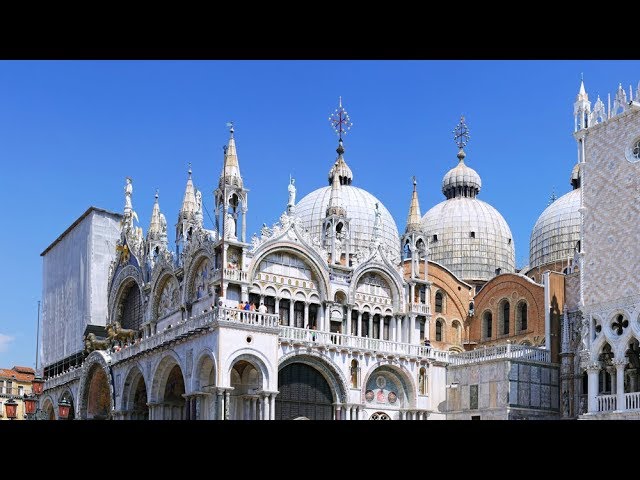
{"x": 438, "y": 330}
{"x": 504, "y": 317}
{"x": 456, "y": 331}
{"x": 423, "y": 294}
{"x": 439, "y": 302}
{"x": 521, "y": 316}
{"x": 487, "y": 325}
{"x": 422, "y": 381}
{"x": 406, "y": 252}
{"x": 354, "y": 373}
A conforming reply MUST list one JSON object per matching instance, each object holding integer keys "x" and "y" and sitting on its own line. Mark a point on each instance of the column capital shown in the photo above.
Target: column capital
{"x": 593, "y": 367}
{"x": 620, "y": 363}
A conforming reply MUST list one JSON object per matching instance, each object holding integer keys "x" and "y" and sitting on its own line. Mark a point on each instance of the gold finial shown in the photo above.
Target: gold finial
{"x": 189, "y": 171}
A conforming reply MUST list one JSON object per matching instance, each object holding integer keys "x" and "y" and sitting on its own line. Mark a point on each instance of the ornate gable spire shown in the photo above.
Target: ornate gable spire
{"x": 413, "y": 219}
{"x": 581, "y": 108}
{"x": 190, "y": 215}
{"x": 231, "y": 167}
{"x": 158, "y": 225}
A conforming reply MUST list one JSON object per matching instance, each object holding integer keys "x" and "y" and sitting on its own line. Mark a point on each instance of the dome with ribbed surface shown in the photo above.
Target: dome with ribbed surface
{"x": 557, "y": 231}
{"x": 461, "y": 178}
{"x": 360, "y": 207}
{"x": 470, "y": 238}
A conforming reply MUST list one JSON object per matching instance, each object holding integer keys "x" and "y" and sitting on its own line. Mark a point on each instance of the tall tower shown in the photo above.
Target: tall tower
{"x": 231, "y": 196}
{"x": 231, "y": 213}
{"x": 414, "y": 249}
{"x": 581, "y": 109}
{"x": 335, "y": 227}
{"x": 414, "y": 240}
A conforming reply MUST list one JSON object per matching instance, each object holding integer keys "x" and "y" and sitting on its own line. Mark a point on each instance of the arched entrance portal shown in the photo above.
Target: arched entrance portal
{"x": 134, "y": 399}
{"x": 98, "y": 395}
{"x": 303, "y": 393}
{"x": 173, "y": 400}
{"x": 49, "y": 410}
{"x": 246, "y": 381}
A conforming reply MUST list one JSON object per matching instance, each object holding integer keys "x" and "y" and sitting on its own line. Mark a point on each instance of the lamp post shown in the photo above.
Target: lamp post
{"x": 11, "y": 409}
{"x": 63, "y": 409}
{"x": 31, "y": 400}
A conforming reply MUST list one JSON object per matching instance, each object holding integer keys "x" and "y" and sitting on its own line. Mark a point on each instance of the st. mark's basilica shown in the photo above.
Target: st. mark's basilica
{"x": 336, "y": 313}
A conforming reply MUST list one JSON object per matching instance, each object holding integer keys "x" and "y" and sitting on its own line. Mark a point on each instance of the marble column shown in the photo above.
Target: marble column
{"x": 305, "y": 322}
{"x": 349, "y": 309}
{"x": 226, "y": 404}
{"x": 620, "y": 399}
{"x": 412, "y": 327}
{"x": 272, "y": 406}
{"x": 399, "y": 328}
{"x": 592, "y": 371}
{"x": 359, "y": 323}
{"x": 292, "y": 321}
{"x": 265, "y": 407}
{"x": 254, "y": 408}
{"x": 381, "y": 329}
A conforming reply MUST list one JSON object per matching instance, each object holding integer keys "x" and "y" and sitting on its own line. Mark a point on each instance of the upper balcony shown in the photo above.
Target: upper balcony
{"x": 232, "y": 274}
{"x": 418, "y": 308}
{"x": 366, "y": 345}
{"x": 197, "y": 325}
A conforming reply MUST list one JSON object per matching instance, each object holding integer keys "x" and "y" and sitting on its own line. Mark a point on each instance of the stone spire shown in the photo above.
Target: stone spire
{"x": 413, "y": 219}
{"x": 230, "y": 168}
{"x": 189, "y": 206}
{"x": 189, "y": 217}
{"x": 157, "y": 234}
{"x": 158, "y": 224}
{"x": 581, "y": 108}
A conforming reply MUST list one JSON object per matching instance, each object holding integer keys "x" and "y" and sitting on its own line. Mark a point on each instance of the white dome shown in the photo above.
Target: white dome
{"x": 360, "y": 206}
{"x": 461, "y": 176}
{"x": 557, "y": 231}
{"x": 473, "y": 239}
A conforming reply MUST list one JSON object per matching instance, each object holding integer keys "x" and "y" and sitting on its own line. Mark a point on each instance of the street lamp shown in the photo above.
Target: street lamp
{"x": 31, "y": 400}
{"x": 63, "y": 408}
{"x": 37, "y": 385}
{"x": 11, "y": 408}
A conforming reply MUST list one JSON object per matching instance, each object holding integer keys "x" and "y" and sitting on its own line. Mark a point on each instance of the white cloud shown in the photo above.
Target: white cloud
{"x": 5, "y": 340}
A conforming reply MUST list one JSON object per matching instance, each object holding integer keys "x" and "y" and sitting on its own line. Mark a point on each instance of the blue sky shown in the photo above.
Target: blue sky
{"x": 70, "y": 131}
